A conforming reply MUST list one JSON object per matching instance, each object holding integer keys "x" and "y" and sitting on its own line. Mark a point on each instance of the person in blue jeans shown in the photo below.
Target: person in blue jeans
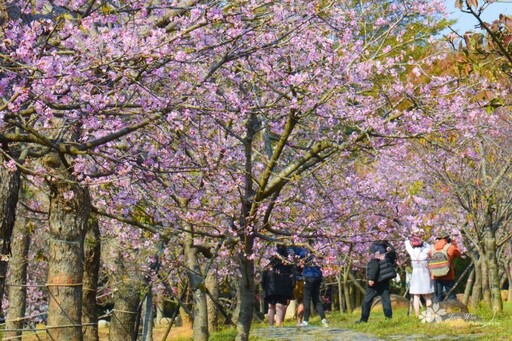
{"x": 443, "y": 286}
{"x": 312, "y": 275}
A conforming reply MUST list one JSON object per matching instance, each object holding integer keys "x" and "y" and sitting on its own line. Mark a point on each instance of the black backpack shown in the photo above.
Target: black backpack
{"x": 387, "y": 268}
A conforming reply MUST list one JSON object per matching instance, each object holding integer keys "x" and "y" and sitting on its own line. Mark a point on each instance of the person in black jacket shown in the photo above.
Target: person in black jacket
{"x": 278, "y": 281}
{"x": 376, "y": 286}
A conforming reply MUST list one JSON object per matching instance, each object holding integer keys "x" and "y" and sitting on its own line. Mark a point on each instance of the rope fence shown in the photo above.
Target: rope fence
{"x": 30, "y": 329}
{"x": 31, "y": 326}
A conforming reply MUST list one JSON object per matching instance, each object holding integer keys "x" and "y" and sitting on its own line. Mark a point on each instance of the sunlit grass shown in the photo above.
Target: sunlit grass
{"x": 490, "y": 326}
{"x": 223, "y": 335}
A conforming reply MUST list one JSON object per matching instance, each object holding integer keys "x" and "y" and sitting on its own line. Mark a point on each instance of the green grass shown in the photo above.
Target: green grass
{"x": 488, "y": 327}
{"x": 223, "y": 335}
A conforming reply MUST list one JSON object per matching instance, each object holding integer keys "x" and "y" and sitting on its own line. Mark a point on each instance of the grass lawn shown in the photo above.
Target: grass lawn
{"x": 489, "y": 326}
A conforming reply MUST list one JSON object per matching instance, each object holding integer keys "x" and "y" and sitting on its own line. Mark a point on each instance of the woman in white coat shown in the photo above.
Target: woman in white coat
{"x": 421, "y": 282}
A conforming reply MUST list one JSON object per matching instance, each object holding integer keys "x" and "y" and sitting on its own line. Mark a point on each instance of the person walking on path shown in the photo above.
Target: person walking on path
{"x": 278, "y": 281}
{"x": 298, "y": 253}
{"x": 312, "y": 274}
{"x": 443, "y": 285}
{"x": 421, "y": 282}
{"x": 377, "y": 270}
{"x": 298, "y": 294}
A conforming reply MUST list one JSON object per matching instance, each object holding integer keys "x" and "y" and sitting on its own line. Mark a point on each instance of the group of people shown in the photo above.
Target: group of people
{"x": 428, "y": 279}
{"x": 424, "y": 281}
{"x": 293, "y": 273}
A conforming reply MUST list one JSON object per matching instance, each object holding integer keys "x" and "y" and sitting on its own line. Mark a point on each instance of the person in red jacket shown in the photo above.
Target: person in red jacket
{"x": 443, "y": 285}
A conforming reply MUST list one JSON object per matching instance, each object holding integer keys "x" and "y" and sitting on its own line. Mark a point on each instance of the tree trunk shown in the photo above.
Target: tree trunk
{"x": 17, "y": 289}
{"x": 147, "y": 313}
{"x": 341, "y": 292}
{"x": 508, "y": 270}
{"x": 486, "y": 289}
{"x": 476, "y": 295}
{"x": 3, "y": 17}
{"x": 469, "y": 286}
{"x": 247, "y": 298}
{"x": 237, "y": 299}
{"x": 129, "y": 283}
{"x": 212, "y": 284}
{"x": 9, "y": 190}
{"x": 185, "y": 309}
{"x": 496, "y": 302}
{"x": 92, "y": 252}
{"x": 124, "y": 314}
{"x": 346, "y": 288}
{"x": 68, "y": 218}
{"x": 200, "y": 324}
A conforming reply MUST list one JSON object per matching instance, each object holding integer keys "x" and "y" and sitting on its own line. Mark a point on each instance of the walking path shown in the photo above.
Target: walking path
{"x": 311, "y": 333}
{"x": 317, "y": 333}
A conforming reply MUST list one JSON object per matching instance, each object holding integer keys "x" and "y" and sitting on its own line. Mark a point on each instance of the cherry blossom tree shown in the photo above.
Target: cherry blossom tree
{"x": 474, "y": 171}
{"x": 196, "y": 122}
{"x": 9, "y": 190}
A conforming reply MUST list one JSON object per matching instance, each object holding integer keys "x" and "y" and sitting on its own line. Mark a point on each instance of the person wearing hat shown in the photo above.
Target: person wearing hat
{"x": 421, "y": 283}
{"x": 375, "y": 287}
{"x": 443, "y": 285}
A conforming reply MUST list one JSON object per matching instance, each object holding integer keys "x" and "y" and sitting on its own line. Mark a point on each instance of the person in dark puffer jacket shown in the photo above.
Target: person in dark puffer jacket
{"x": 376, "y": 287}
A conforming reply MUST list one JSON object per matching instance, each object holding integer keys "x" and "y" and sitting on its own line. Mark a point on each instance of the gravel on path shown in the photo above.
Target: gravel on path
{"x": 311, "y": 333}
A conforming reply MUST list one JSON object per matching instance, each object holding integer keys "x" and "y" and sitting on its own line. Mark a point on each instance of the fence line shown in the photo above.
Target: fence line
{"x": 36, "y": 331}
{"x": 48, "y": 285}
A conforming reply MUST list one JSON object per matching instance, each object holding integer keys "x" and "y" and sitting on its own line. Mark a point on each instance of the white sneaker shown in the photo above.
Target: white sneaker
{"x": 324, "y": 323}
{"x": 304, "y": 324}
